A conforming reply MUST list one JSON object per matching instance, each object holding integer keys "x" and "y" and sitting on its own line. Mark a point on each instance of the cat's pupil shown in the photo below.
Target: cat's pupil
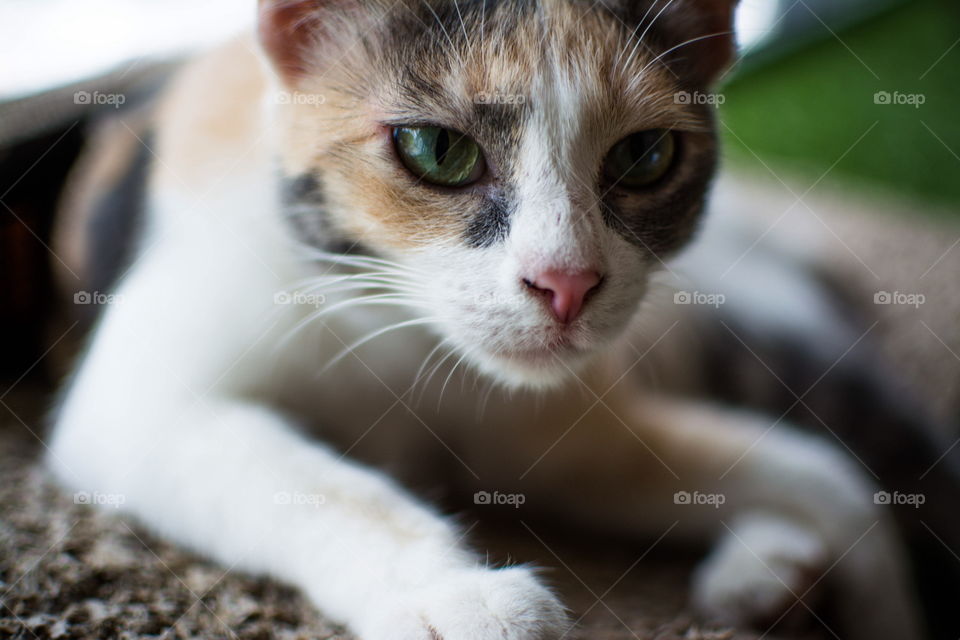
{"x": 443, "y": 146}
{"x": 644, "y": 151}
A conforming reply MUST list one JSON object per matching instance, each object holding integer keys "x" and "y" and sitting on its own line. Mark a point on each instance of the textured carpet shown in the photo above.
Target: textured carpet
{"x": 69, "y": 571}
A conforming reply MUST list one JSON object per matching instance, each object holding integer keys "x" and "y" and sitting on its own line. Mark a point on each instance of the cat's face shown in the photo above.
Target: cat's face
{"x": 531, "y": 162}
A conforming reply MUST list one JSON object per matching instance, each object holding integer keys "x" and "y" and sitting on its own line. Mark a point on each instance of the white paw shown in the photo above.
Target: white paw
{"x": 758, "y": 571}
{"x": 476, "y": 604}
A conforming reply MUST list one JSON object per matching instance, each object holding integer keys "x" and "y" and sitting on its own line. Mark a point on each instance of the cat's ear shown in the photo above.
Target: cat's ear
{"x": 287, "y": 29}
{"x": 712, "y": 37}
{"x": 293, "y": 32}
{"x": 697, "y": 36}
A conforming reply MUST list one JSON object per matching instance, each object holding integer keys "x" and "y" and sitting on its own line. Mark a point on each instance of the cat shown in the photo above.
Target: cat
{"x": 363, "y": 194}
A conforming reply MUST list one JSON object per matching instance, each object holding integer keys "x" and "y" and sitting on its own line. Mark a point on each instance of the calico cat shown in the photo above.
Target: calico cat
{"x": 368, "y": 193}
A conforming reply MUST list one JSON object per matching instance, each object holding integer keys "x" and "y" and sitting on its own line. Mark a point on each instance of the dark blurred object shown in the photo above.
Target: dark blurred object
{"x": 41, "y": 137}
{"x": 31, "y": 176}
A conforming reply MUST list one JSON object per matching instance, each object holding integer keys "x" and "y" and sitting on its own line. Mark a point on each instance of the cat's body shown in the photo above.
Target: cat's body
{"x": 225, "y": 340}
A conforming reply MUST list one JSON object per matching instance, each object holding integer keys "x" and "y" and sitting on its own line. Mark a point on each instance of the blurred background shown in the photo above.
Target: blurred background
{"x": 819, "y": 79}
{"x": 859, "y": 98}
{"x": 857, "y": 94}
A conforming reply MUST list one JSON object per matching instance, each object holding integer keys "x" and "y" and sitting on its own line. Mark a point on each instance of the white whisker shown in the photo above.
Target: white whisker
{"x": 387, "y": 299}
{"x": 372, "y": 336}
{"x": 646, "y": 31}
{"x": 453, "y": 48}
{"x": 450, "y": 375}
{"x": 426, "y": 383}
{"x": 681, "y": 45}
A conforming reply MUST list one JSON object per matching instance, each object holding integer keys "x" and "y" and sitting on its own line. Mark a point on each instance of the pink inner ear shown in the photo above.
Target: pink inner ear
{"x": 287, "y": 29}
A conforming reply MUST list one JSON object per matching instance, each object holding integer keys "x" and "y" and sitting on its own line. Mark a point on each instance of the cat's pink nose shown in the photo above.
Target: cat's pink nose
{"x": 565, "y": 290}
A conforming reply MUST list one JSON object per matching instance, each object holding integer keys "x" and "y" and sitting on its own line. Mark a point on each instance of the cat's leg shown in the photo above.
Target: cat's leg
{"x": 161, "y": 418}
{"x": 763, "y": 565}
{"x": 789, "y": 512}
{"x": 232, "y": 480}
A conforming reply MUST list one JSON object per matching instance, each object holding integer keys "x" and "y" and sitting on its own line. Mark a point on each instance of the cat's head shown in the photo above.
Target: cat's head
{"x": 532, "y": 162}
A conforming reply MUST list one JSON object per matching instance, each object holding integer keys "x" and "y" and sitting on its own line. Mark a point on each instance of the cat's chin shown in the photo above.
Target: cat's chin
{"x": 533, "y": 369}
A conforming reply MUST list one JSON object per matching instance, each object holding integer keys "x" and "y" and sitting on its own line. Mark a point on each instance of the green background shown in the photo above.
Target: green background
{"x": 802, "y": 113}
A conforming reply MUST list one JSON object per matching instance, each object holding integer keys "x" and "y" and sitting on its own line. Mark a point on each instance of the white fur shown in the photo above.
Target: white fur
{"x": 190, "y": 397}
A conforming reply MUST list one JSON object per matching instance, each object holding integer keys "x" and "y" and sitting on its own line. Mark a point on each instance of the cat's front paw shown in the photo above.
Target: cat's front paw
{"x": 758, "y": 572}
{"x": 475, "y": 604}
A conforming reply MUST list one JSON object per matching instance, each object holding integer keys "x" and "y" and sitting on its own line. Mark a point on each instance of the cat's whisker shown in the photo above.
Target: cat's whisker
{"x": 492, "y": 384}
{"x": 384, "y": 299}
{"x": 463, "y": 28}
{"x": 423, "y": 376}
{"x": 358, "y": 288}
{"x": 314, "y": 282}
{"x": 453, "y": 47}
{"x": 634, "y": 33}
{"x": 372, "y": 336}
{"x": 433, "y": 371}
{"x": 389, "y": 299}
{"x": 646, "y": 31}
{"x": 360, "y": 283}
{"x": 357, "y": 260}
{"x": 423, "y": 365}
{"x": 450, "y": 375}
{"x": 683, "y": 44}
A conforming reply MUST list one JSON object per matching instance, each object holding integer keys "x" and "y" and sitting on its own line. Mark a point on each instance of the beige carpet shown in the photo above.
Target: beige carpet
{"x": 69, "y": 571}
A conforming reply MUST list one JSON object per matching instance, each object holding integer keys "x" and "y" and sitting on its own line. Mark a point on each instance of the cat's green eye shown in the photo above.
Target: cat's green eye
{"x": 641, "y": 159}
{"x": 439, "y": 156}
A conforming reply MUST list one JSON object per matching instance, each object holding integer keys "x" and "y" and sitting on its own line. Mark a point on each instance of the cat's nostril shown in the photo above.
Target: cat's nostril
{"x": 566, "y": 291}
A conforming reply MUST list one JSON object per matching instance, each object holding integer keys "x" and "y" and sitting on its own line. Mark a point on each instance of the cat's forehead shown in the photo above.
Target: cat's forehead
{"x": 490, "y": 65}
